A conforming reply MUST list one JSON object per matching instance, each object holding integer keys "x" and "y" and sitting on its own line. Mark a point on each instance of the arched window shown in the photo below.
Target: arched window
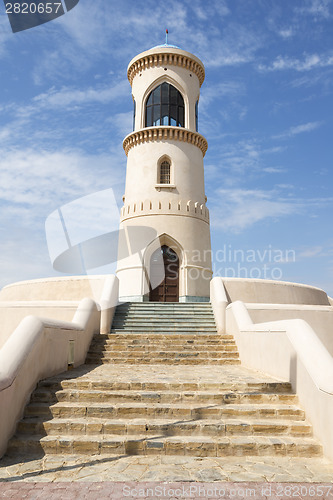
{"x": 165, "y": 172}
{"x": 165, "y": 106}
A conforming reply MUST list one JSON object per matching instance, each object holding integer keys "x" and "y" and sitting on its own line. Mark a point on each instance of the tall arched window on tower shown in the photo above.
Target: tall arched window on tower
{"x": 165, "y": 106}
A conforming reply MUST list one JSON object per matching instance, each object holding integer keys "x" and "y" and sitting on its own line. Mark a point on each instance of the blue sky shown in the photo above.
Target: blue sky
{"x": 265, "y": 109}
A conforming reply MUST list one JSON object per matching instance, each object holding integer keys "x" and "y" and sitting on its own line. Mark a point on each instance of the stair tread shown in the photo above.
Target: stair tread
{"x": 168, "y": 421}
{"x": 187, "y": 405}
{"x": 183, "y": 392}
{"x": 143, "y": 437}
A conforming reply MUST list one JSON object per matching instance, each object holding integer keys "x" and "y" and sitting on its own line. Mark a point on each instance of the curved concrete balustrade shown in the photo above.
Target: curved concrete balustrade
{"x": 288, "y": 349}
{"x": 320, "y": 318}
{"x": 53, "y": 298}
{"x": 273, "y": 292}
{"x": 39, "y": 348}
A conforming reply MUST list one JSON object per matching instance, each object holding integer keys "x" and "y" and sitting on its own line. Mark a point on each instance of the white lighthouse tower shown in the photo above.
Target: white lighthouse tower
{"x": 165, "y": 181}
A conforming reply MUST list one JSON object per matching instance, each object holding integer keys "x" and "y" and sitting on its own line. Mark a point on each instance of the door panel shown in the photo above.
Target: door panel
{"x": 168, "y": 290}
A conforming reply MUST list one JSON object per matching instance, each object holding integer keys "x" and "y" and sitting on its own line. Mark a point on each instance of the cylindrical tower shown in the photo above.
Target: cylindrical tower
{"x": 165, "y": 180}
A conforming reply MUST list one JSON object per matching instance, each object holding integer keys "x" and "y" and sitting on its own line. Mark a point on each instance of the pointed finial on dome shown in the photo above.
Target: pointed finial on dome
{"x": 166, "y": 36}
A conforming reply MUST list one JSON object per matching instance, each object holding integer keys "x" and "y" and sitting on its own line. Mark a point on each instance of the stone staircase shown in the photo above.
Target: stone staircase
{"x": 158, "y": 407}
{"x": 150, "y": 333}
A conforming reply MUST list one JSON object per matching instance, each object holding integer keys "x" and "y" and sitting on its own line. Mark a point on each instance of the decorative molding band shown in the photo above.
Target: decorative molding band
{"x": 164, "y": 207}
{"x": 164, "y": 59}
{"x": 164, "y": 133}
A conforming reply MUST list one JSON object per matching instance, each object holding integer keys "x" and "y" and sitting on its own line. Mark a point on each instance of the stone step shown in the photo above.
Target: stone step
{"x": 164, "y": 333}
{"x": 55, "y": 384}
{"x": 186, "y": 336}
{"x": 164, "y": 329}
{"x": 145, "y": 348}
{"x": 150, "y": 340}
{"x": 191, "y": 312}
{"x": 171, "y": 355}
{"x": 165, "y": 410}
{"x": 164, "y": 427}
{"x": 166, "y": 309}
{"x": 140, "y": 444}
{"x": 166, "y": 314}
{"x": 194, "y": 304}
{"x": 176, "y": 320}
{"x": 163, "y": 325}
{"x": 202, "y": 397}
{"x": 96, "y": 360}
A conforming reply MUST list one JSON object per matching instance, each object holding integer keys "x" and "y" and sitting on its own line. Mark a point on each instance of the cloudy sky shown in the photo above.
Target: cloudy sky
{"x": 265, "y": 109}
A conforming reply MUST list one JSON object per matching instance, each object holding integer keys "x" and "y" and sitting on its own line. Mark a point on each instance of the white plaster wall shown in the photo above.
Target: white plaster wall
{"x": 61, "y": 288}
{"x": 188, "y": 172}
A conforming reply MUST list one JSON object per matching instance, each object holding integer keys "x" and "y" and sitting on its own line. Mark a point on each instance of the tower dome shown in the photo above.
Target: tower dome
{"x": 165, "y": 178}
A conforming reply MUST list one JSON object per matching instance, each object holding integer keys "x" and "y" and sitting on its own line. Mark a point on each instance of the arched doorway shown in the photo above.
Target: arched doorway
{"x": 168, "y": 289}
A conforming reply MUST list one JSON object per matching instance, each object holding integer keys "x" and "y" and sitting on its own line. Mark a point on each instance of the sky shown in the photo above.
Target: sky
{"x": 265, "y": 109}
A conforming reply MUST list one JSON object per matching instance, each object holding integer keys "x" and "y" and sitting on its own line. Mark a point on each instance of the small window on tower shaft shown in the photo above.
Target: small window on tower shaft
{"x": 165, "y": 172}
{"x": 197, "y": 116}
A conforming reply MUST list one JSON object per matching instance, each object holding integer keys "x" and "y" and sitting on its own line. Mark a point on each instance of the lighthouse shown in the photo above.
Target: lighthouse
{"x": 165, "y": 189}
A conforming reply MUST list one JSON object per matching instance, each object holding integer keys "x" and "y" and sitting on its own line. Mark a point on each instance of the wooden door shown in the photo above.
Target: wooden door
{"x": 168, "y": 289}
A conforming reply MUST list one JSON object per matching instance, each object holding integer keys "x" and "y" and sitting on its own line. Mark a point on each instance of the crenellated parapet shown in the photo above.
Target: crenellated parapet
{"x": 164, "y": 207}
{"x": 165, "y": 134}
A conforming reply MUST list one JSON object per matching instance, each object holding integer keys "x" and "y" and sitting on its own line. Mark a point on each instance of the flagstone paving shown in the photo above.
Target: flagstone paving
{"x": 166, "y": 468}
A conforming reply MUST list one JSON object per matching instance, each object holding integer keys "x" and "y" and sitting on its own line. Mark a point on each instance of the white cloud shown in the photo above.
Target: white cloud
{"x": 235, "y": 46}
{"x": 310, "y": 62}
{"x": 315, "y": 8}
{"x": 204, "y": 12}
{"x": 210, "y": 93}
{"x": 310, "y": 252}
{"x": 24, "y": 256}
{"x": 299, "y": 129}
{"x": 123, "y": 123}
{"x": 33, "y": 183}
{"x": 274, "y": 170}
{"x": 70, "y": 97}
{"x": 238, "y": 209}
{"x": 286, "y": 33}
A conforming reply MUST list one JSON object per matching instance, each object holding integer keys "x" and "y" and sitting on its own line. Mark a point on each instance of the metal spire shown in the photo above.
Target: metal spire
{"x": 166, "y": 36}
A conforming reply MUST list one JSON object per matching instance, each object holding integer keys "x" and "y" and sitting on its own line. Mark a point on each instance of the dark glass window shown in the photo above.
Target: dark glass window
{"x": 197, "y": 116}
{"x": 165, "y": 106}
